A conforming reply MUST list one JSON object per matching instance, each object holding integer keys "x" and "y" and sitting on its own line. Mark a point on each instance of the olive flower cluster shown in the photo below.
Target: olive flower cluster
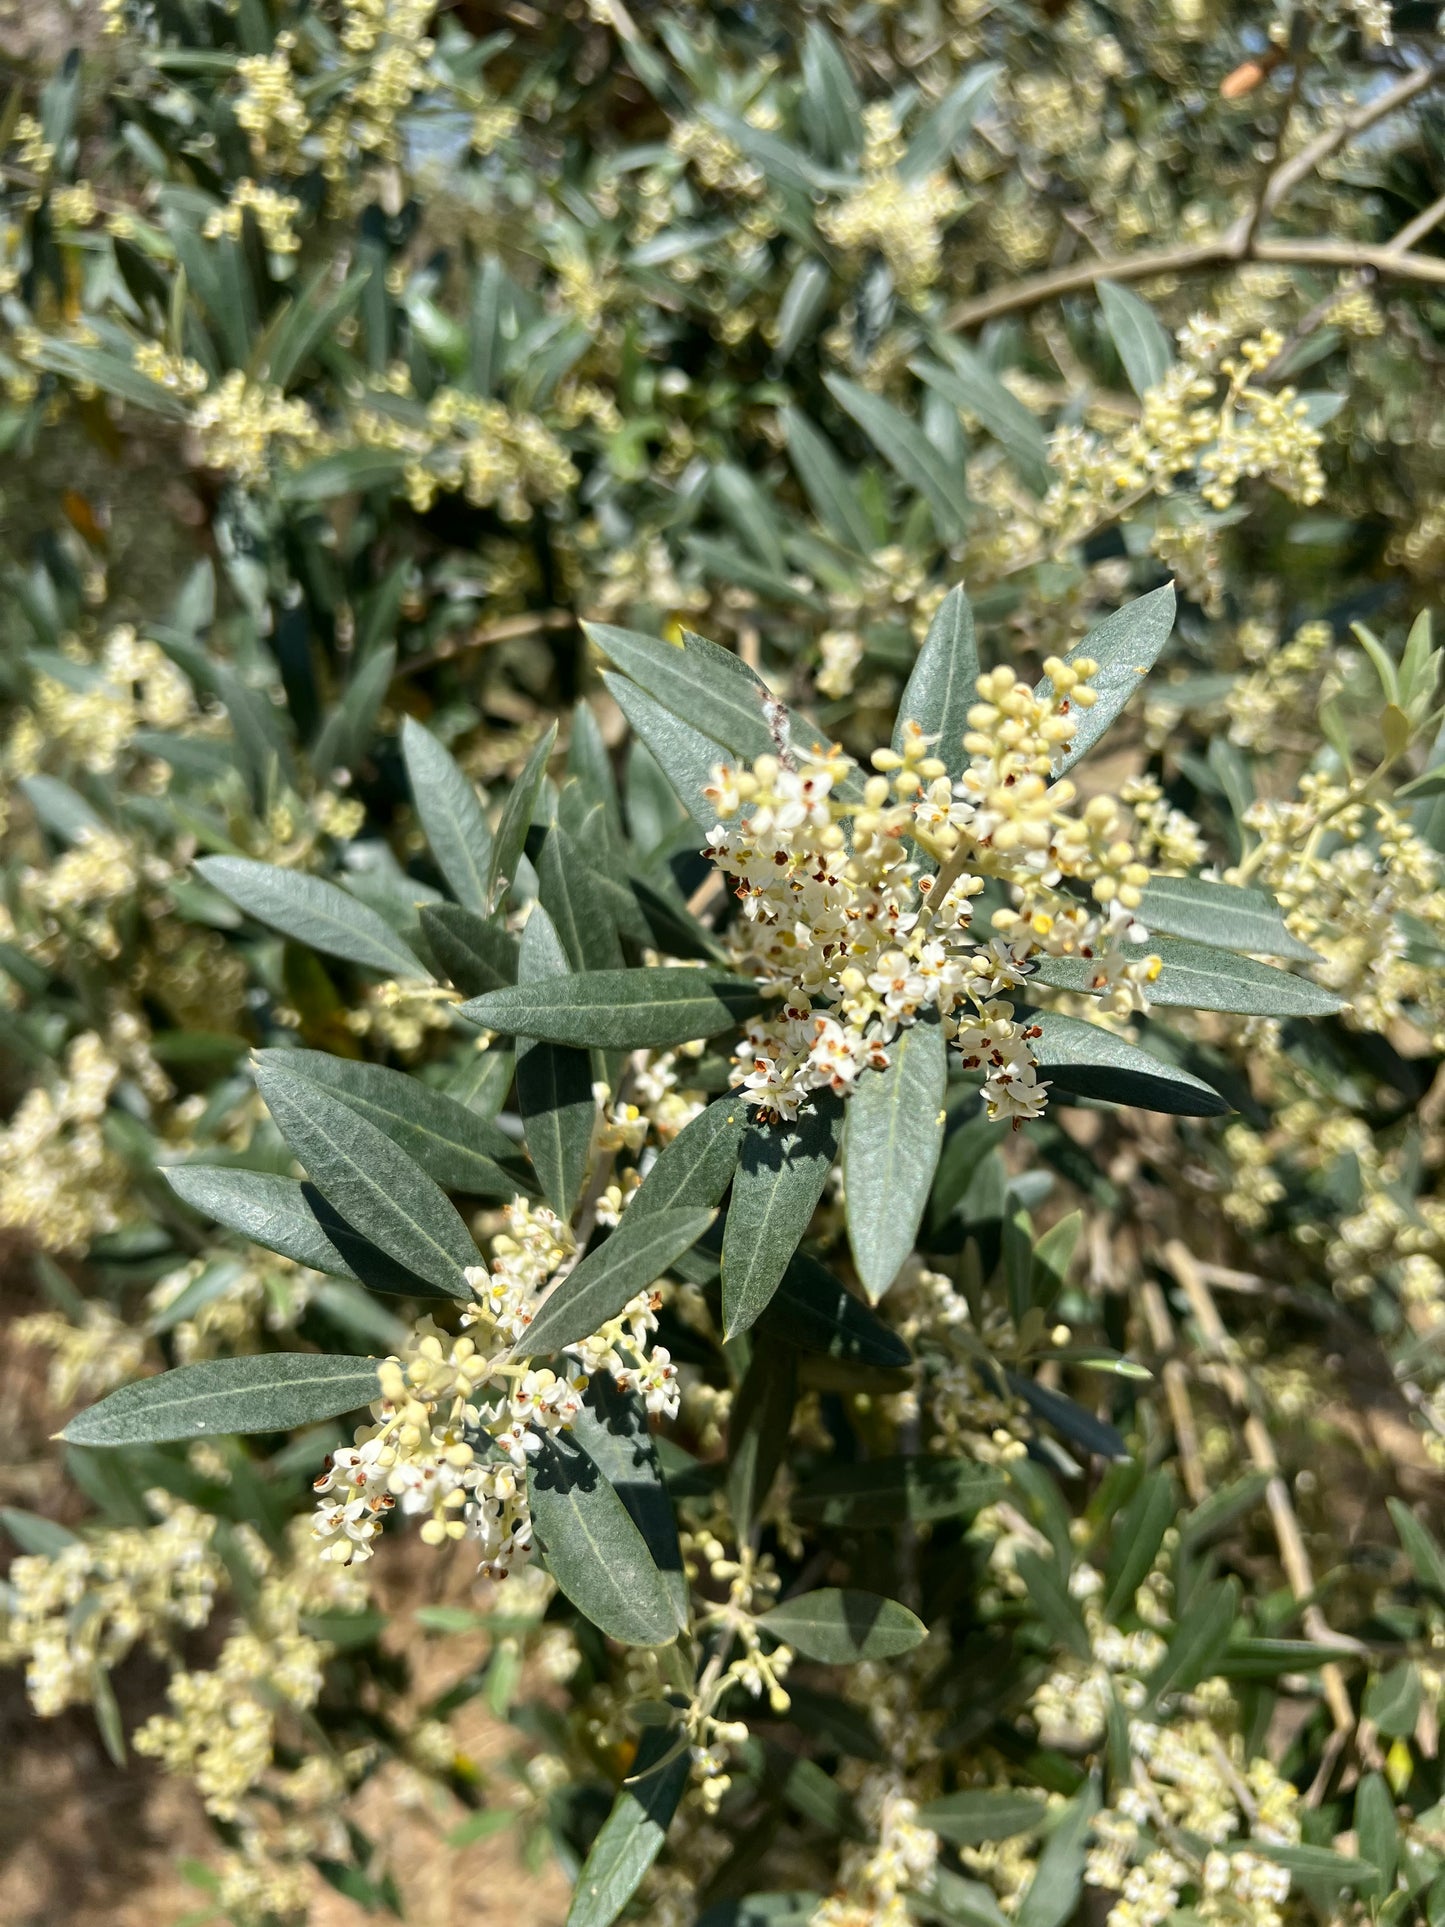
{"x": 459, "y": 1417}
{"x": 859, "y": 939}
{"x": 85, "y": 1608}
{"x": 1193, "y": 1796}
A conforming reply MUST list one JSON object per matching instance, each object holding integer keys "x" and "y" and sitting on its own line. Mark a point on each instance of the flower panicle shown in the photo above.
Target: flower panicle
{"x": 861, "y": 935}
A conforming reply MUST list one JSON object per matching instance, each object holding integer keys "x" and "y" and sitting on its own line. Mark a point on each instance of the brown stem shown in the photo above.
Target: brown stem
{"x": 1224, "y": 252}
{"x": 508, "y": 629}
{"x": 1416, "y": 230}
{"x": 1293, "y": 1556}
{"x": 1287, "y": 178}
{"x": 1242, "y": 241}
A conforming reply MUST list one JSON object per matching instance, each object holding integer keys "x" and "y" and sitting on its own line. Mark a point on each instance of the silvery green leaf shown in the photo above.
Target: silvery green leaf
{"x": 477, "y": 953}
{"x": 268, "y": 1210}
{"x": 779, "y": 1180}
{"x": 907, "y": 450}
{"x": 450, "y": 814}
{"x": 697, "y": 1167}
{"x": 1144, "y": 348}
{"x": 890, "y": 1152}
{"x": 593, "y": 1550}
{"x": 313, "y": 912}
{"x": 1053, "y": 1894}
{"x": 710, "y": 688}
{"x": 461, "y": 1151}
{"x": 554, "y": 1082}
{"x": 613, "y": 1430}
{"x": 839, "y": 1627}
{"x": 653, "y": 1008}
{"x": 685, "y": 756}
{"x": 976, "y": 1814}
{"x": 1196, "y": 977}
{"x": 971, "y": 385}
{"x": 569, "y": 876}
{"x": 829, "y": 486}
{"x": 375, "y": 1186}
{"x": 1088, "y": 1061}
{"x": 272, "y": 1393}
{"x": 1228, "y": 915}
{"x": 611, "y": 1276}
{"x": 944, "y": 684}
{"x": 940, "y": 133}
{"x": 1126, "y": 646}
{"x": 516, "y": 817}
{"x": 633, "y": 1832}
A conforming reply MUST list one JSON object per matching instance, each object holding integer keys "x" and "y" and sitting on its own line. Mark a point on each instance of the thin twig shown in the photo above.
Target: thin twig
{"x": 1221, "y": 253}
{"x": 1260, "y": 1446}
{"x": 1416, "y": 230}
{"x": 1287, "y": 178}
{"x": 508, "y": 629}
{"x": 1272, "y": 170}
{"x": 1241, "y": 242}
{"x": 1176, "y": 1391}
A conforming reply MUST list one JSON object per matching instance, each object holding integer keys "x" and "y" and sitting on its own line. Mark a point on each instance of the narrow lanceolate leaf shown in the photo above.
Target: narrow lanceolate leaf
{"x": 369, "y": 1263}
{"x": 698, "y": 1165}
{"x": 976, "y": 1814}
{"x": 1053, "y": 1893}
{"x": 1126, "y": 646}
{"x": 944, "y": 683}
{"x": 313, "y": 912}
{"x": 813, "y": 1312}
{"x": 1134, "y": 328}
{"x": 634, "y": 1257}
{"x": 759, "y": 1421}
{"x": 1196, "y": 977}
{"x": 971, "y": 385}
{"x": 829, "y": 485}
{"x": 476, "y": 953}
{"x": 620, "y": 1009}
{"x": 1198, "y": 1642}
{"x": 881, "y": 1492}
{"x": 554, "y": 1083}
{"x": 714, "y": 690}
{"x": 375, "y": 1186}
{"x": 1420, "y": 1549}
{"x": 779, "y": 1181}
{"x": 633, "y": 1832}
{"x": 268, "y": 1394}
{"x": 907, "y": 450}
{"x": 940, "y": 132}
{"x": 268, "y": 1210}
{"x": 1086, "y": 1061}
{"x": 1228, "y": 915}
{"x": 839, "y": 1627}
{"x": 455, "y": 1147}
{"x": 569, "y": 883}
{"x": 685, "y": 756}
{"x": 516, "y": 818}
{"x": 450, "y": 814}
{"x": 593, "y": 1550}
{"x": 890, "y": 1152}
{"x": 612, "y": 1429}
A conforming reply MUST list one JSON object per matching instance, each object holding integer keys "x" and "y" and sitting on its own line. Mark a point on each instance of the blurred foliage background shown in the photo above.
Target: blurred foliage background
{"x": 350, "y": 356}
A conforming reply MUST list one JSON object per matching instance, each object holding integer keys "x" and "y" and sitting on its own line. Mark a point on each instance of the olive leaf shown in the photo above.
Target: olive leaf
{"x": 273, "y": 1393}
{"x": 838, "y": 1626}
{"x": 313, "y": 912}
{"x": 373, "y": 1184}
{"x": 450, "y": 814}
{"x": 780, "y": 1177}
